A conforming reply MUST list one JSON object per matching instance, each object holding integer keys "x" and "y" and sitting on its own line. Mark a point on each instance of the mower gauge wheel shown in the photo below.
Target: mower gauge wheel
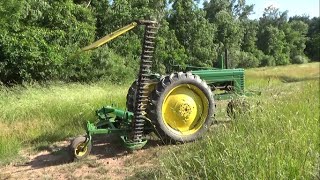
{"x": 79, "y": 149}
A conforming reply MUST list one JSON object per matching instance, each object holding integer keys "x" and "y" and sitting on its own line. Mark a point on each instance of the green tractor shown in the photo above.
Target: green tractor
{"x": 179, "y": 107}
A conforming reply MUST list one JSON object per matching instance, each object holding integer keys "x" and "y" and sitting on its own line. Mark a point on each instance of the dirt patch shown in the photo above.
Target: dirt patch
{"x": 109, "y": 160}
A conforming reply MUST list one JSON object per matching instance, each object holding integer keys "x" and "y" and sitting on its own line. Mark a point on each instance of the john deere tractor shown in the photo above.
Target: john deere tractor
{"x": 178, "y": 107}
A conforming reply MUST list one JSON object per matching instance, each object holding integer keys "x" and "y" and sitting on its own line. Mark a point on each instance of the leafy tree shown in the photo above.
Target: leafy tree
{"x": 303, "y": 18}
{"x": 272, "y": 38}
{"x": 231, "y": 19}
{"x": 35, "y": 43}
{"x": 170, "y": 55}
{"x": 272, "y": 42}
{"x": 193, "y": 32}
{"x": 272, "y": 16}
{"x": 249, "y": 40}
{"x": 296, "y": 32}
{"x": 41, "y": 39}
{"x": 313, "y": 43}
{"x": 240, "y": 9}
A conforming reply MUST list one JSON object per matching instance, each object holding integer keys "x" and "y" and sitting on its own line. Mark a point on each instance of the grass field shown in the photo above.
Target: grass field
{"x": 277, "y": 138}
{"x": 37, "y": 116}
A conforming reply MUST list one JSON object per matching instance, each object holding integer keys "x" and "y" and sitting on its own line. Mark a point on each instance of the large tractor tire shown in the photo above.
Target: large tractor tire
{"x": 182, "y": 107}
{"x": 132, "y": 92}
{"x": 131, "y": 96}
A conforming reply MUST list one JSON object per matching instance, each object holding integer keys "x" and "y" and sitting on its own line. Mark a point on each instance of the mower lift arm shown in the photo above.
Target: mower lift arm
{"x": 111, "y": 36}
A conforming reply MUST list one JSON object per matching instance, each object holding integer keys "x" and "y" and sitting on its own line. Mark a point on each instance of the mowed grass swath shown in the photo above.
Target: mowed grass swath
{"x": 278, "y": 138}
{"x": 36, "y": 116}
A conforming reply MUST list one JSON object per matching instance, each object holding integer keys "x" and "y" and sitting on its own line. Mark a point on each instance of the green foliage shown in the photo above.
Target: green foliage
{"x": 272, "y": 42}
{"x": 313, "y": 44}
{"x": 245, "y": 59}
{"x": 41, "y": 39}
{"x": 193, "y": 32}
{"x": 296, "y": 38}
{"x": 169, "y": 53}
{"x": 267, "y": 60}
{"x": 229, "y": 29}
{"x": 249, "y": 40}
{"x": 299, "y": 59}
{"x": 110, "y": 66}
{"x": 43, "y": 34}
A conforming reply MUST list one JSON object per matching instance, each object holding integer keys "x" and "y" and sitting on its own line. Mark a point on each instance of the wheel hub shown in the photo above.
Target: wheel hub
{"x": 185, "y": 110}
{"x": 81, "y": 150}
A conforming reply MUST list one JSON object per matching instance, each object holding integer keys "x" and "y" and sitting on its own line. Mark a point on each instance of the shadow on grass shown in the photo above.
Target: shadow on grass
{"x": 104, "y": 147}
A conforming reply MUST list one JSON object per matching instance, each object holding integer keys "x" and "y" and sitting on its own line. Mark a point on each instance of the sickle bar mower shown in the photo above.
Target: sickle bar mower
{"x": 178, "y": 107}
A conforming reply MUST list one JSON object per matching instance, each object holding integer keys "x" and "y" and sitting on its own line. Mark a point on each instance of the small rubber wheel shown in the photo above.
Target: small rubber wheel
{"x": 182, "y": 107}
{"x": 78, "y": 149}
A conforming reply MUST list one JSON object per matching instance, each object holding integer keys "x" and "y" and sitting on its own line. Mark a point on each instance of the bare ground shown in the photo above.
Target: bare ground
{"x": 108, "y": 160}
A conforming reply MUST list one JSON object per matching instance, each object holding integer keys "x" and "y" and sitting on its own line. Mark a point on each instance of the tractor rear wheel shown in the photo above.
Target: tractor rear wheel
{"x": 131, "y": 96}
{"x": 182, "y": 107}
{"x": 132, "y": 92}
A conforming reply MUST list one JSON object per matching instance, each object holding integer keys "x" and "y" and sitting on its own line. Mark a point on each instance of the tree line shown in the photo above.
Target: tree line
{"x": 40, "y": 40}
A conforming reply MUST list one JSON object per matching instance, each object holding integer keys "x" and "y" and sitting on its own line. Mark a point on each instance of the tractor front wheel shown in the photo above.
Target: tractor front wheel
{"x": 182, "y": 107}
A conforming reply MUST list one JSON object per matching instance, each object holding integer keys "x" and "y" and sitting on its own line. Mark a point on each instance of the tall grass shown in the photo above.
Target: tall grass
{"x": 278, "y": 138}
{"x": 37, "y": 115}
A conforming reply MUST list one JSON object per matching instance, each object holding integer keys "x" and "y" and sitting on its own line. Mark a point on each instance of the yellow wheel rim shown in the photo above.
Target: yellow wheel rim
{"x": 81, "y": 150}
{"x": 185, "y": 109}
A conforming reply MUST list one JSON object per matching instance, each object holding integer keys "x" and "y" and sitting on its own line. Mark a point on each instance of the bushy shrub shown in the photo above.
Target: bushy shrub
{"x": 28, "y": 56}
{"x": 267, "y": 61}
{"x": 108, "y": 65}
{"x": 247, "y": 59}
{"x": 299, "y": 59}
{"x": 259, "y": 55}
{"x": 35, "y": 46}
{"x": 282, "y": 59}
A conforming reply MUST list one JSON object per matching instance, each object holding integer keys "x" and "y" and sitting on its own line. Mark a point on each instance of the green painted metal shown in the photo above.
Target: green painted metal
{"x": 223, "y": 78}
{"x": 115, "y": 121}
{"x": 133, "y": 145}
{"x": 230, "y": 81}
